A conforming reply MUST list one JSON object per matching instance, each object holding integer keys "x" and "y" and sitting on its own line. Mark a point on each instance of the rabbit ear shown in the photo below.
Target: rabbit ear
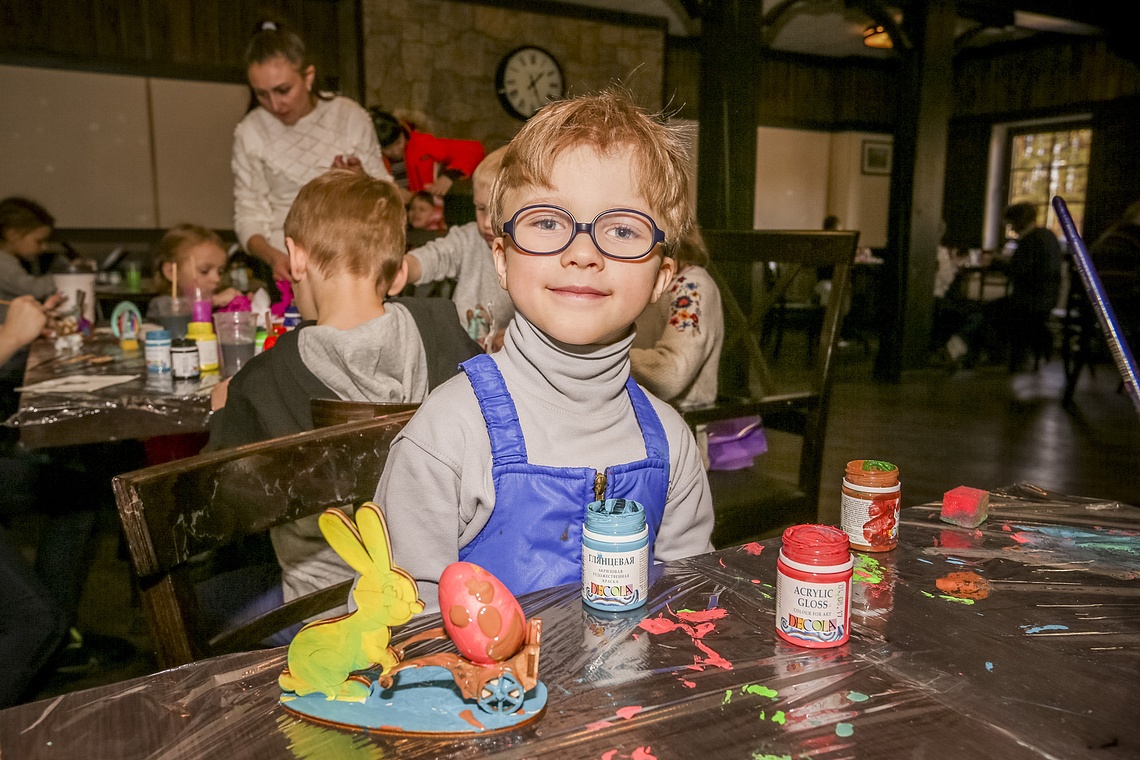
{"x": 374, "y": 533}
{"x": 343, "y": 537}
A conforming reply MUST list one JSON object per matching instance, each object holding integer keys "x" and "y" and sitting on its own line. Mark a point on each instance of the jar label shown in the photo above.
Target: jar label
{"x": 184, "y": 364}
{"x": 812, "y": 613}
{"x": 615, "y": 580}
{"x": 871, "y": 523}
{"x": 208, "y": 354}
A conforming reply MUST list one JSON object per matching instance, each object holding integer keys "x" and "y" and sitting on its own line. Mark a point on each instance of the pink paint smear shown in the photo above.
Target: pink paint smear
{"x": 641, "y": 753}
{"x": 753, "y": 548}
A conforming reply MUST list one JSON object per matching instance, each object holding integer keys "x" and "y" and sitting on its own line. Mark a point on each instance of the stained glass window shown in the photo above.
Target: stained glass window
{"x": 1048, "y": 163}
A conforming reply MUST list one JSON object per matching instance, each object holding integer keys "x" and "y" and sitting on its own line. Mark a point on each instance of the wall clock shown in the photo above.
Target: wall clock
{"x": 527, "y": 79}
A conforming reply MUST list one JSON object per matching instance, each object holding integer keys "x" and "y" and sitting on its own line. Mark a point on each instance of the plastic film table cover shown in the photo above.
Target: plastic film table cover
{"x": 149, "y": 405}
{"x": 1045, "y": 666}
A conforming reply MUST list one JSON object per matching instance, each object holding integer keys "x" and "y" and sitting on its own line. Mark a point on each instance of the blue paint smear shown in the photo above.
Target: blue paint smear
{"x": 920, "y": 559}
{"x": 844, "y": 729}
{"x": 1040, "y": 628}
{"x": 990, "y": 667}
{"x": 953, "y": 561}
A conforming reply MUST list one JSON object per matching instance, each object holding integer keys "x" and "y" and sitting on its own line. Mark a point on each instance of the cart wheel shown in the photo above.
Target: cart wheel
{"x": 502, "y": 694}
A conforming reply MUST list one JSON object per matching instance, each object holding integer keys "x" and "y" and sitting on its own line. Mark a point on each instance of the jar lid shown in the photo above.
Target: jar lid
{"x": 200, "y": 330}
{"x": 821, "y": 545}
{"x": 158, "y": 335}
{"x": 183, "y": 343}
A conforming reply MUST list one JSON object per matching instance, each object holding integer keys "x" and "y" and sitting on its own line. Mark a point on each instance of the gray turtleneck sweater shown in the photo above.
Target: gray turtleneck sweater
{"x": 437, "y": 491}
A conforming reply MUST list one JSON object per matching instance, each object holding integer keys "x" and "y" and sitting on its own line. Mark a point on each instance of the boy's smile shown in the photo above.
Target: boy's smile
{"x": 579, "y": 296}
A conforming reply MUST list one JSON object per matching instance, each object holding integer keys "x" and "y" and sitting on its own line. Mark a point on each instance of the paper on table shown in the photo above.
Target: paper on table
{"x": 76, "y": 384}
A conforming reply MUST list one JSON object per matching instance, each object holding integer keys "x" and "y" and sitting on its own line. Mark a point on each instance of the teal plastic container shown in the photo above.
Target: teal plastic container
{"x": 615, "y": 555}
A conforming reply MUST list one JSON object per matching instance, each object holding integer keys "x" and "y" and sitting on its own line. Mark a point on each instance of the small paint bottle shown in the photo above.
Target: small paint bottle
{"x": 615, "y": 555}
{"x": 156, "y": 349}
{"x": 813, "y": 587}
{"x": 869, "y": 511}
{"x": 184, "y": 359}
{"x": 202, "y": 333}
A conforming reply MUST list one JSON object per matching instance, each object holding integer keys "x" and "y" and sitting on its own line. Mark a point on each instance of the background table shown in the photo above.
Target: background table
{"x": 1045, "y": 666}
{"x": 142, "y": 408}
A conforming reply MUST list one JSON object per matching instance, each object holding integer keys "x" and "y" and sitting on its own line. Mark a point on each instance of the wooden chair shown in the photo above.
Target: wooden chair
{"x": 753, "y": 270}
{"x": 327, "y": 412}
{"x": 175, "y": 513}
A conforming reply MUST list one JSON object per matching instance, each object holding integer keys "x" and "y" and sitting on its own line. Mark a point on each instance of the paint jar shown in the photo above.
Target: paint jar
{"x": 157, "y": 351}
{"x": 615, "y": 555}
{"x": 870, "y": 505}
{"x": 813, "y": 587}
{"x": 202, "y": 333}
{"x": 184, "y": 359}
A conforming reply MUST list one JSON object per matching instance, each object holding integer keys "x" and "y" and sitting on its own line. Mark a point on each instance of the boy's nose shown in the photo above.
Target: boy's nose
{"x": 583, "y": 252}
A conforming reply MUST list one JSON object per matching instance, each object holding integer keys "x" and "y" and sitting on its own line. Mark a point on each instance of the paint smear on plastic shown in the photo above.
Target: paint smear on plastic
{"x": 844, "y": 729}
{"x": 1041, "y": 628}
{"x": 856, "y": 696}
{"x": 867, "y": 570}
{"x": 760, "y": 691}
{"x": 753, "y": 548}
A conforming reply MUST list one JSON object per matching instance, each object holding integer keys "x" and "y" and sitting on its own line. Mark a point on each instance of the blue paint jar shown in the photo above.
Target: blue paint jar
{"x": 157, "y": 351}
{"x": 615, "y": 555}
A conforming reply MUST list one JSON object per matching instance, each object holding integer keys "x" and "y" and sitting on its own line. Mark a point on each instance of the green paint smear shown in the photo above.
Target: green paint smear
{"x": 844, "y": 729}
{"x": 927, "y": 593}
{"x": 766, "y": 596}
{"x": 762, "y": 756}
{"x": 867, "y": 570}
{"x": 877, "y": 465}
{"x": 955, "y": 599}
{"x": 778, "y": 717}
{"x": 727, "y": 697}
{"x": 762, "y": 691}
{"x": 762, "y": 716}
{"x": 857, "y": 696}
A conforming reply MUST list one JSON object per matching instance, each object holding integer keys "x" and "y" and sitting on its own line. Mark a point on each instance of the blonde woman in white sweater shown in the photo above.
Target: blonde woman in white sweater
{"x": 676, "y": 351}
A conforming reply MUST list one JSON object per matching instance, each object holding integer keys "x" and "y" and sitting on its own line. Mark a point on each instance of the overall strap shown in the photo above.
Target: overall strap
{"x": 507, "y": 445}
{"x": 656, "y": 442}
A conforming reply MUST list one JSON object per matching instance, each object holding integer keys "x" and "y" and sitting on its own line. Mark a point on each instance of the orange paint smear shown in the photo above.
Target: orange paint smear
{"x": 716, "y": 613}
{"x": 598, "y": 725}
{"x": 629, "y": 712}
{"x": 469, "y": 716}
{"x": 643, "y": 753}
{"x": 753, "y": 548}
{"x": 964, "y": 585}
{"x": 713, "y": 658}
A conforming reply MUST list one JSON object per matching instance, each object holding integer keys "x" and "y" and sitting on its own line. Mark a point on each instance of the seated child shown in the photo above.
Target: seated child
{"x": 465, "y": 254}
{"x": 199, "y": 256}
{"x": 424, "y": 213}
{"x": 498, "y": 465}
{"x": 676, "y": 352}
{"x": 25, "y": 227}
{"x": 345, "y": 238}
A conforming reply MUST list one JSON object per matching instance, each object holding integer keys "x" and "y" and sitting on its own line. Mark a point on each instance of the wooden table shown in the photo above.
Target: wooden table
{"x": 144, "y": 407}
{"x": 1045, "y": 666}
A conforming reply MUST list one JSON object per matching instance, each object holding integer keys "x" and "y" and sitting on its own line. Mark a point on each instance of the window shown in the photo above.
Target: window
{"x": 1048, "y": 163}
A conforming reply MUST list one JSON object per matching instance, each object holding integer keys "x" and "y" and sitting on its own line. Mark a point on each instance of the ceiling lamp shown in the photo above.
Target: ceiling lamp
{"x": 875, "y": 36}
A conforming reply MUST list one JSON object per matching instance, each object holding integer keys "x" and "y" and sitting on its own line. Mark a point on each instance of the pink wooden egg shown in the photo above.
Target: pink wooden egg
{"x": 481, "y": 616}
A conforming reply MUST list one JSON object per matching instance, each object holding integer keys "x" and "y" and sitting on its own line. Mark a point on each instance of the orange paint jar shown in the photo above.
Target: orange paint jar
{"x": 870, "y": 505}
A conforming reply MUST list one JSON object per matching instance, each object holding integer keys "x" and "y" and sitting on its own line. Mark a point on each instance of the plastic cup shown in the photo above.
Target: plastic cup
{"x": 236, "y": 331}
{"x": 134, "y": 276}
{"x": 173, "y": 313}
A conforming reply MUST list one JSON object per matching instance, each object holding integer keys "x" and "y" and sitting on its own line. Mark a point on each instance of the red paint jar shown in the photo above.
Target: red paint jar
{"x": 870, "y": 505}
{"x": 813, "y": 587}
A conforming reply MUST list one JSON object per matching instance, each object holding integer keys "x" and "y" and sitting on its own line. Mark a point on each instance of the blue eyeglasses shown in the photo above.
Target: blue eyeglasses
{"x": 619, "y": 233}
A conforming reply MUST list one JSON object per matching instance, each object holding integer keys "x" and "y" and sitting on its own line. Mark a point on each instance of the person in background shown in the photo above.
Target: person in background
{"x": 422, "y": 213}
{"x": 345, "y": 237}
{"x": 293, "y": 135}
{"x": 199, "y": 257}
{"x": 420, "y": 161}
{"x": 32, "y": 625}
{"x": 676, "y": 351}
{"x": 25, "y": 227}
{"x": 464, "y": 253}
{"x": 1116, "y": 256}
{"x": 1034, "y": 271}
{"x": 497, "y": 466}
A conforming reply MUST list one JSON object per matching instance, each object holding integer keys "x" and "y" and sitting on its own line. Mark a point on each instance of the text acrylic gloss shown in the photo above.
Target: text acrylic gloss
{"x": 813, "y": 587}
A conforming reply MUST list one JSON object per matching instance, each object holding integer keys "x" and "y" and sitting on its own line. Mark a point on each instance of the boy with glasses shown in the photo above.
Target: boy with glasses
{"x": 499, "y": 464}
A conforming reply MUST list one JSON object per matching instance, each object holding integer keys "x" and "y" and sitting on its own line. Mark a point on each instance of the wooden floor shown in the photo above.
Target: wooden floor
{"x": 983, "y": 428}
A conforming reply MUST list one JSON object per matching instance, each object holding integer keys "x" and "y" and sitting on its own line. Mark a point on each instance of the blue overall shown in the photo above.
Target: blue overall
{"x": 534, "y": 537}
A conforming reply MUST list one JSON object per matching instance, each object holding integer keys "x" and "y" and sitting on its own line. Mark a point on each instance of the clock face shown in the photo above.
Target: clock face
{"x": 527, "y": 79}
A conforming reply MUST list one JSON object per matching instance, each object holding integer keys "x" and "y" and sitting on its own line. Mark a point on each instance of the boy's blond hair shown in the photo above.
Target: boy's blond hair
{"x": 608, "y": 122}
{"x": 348, "y": 221}
{"x": 488, "y": 168}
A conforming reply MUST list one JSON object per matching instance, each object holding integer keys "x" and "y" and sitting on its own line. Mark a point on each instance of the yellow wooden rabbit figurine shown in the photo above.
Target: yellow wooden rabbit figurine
{"x": 324, "y": 654}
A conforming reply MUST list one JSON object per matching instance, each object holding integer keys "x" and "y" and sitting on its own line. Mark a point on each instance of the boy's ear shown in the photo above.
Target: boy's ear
{"x": 298, "y": 260}
{"x": 400, "y": 280}
{"x": 498, "y": 251}
{"x": 664, "y": 277}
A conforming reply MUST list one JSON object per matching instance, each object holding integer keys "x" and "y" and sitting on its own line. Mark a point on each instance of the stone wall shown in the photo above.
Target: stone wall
{"x": 434, "y": 61}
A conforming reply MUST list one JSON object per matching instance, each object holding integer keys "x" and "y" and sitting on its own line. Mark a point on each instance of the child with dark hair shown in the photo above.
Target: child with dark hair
{"x": 25, "y": 227}
{"x": 420, "y": 161}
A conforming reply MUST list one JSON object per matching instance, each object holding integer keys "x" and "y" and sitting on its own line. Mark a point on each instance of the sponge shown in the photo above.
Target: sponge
{"x": 965, "y": 506}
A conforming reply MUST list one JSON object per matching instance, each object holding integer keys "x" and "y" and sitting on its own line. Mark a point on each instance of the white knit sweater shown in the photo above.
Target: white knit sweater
{"x": 272, "y": 161}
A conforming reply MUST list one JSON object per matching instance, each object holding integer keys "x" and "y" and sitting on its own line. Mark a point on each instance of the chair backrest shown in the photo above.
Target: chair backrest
{"x": 753, "y": 269}
{"x": 335, "y": 411}
{"x": 172, "y": 513}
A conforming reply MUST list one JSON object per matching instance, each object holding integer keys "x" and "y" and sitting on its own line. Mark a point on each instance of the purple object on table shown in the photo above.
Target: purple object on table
{"x": 201, "y": 311}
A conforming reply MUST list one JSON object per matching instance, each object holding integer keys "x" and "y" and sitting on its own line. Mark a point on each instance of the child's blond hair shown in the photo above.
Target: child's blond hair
{"x": 348, "y": 221}
{"x": 485, "y": 173}
{"x": 176, "y": 241}
{"x": 609, "y": 122}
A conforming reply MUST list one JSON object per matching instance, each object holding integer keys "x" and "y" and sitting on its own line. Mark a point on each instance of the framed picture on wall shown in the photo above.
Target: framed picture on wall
{"x": 876, "y": 157}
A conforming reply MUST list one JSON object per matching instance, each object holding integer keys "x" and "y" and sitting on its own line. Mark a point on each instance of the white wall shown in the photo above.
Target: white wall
{"x": 803, "y": 175}
{"x": 105, "y": 151}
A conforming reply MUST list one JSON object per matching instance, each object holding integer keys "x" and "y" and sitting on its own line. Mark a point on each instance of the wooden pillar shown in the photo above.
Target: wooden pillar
{"x": 917, "y": 179}
{"x": 726, "y": 161}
